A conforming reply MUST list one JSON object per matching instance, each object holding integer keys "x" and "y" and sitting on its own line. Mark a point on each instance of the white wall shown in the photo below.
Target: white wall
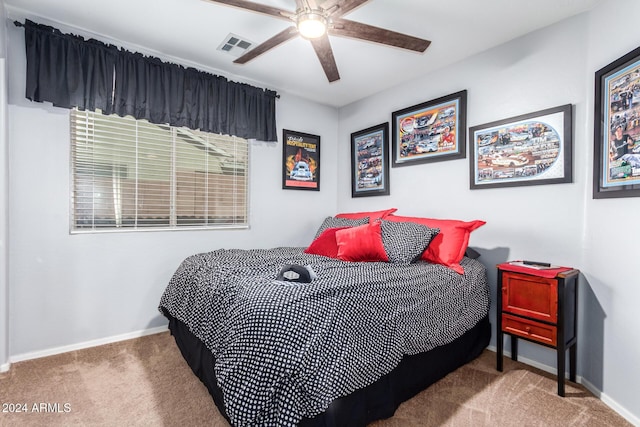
{"x": 4, "y": 202}
{"x": 532, "y": 73}
{"x": 69, "y": 289}
{"x": 611, "y": 327}
{"x": 529, "y": 74}
{"x": 559, "y": 223}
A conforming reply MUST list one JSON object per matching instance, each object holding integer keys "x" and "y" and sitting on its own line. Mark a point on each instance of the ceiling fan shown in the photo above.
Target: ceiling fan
{"x": 315, "y": 20}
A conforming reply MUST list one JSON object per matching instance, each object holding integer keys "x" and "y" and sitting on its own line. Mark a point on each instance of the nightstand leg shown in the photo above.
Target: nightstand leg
{"x": 561, "y": 369}
{"x": 514, "y": 348}
{"x": 499, "y": 344}
{"x": 572, "y": 362}
{"x": 499, "y": 334}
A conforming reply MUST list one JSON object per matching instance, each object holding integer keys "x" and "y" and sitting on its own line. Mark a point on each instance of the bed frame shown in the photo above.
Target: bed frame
{"x": 376, "y": 401}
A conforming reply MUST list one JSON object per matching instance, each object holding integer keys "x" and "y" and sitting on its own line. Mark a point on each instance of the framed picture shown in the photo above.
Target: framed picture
{"x": 531, "y": 149}
{"x": 300, "y": 161}
{"x": 430, "y": 132}
{"x": 370, "y": 161}
{"x": 616, "y": 168}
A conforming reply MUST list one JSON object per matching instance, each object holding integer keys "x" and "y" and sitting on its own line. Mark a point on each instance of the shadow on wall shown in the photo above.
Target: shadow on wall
{"x": 590, "y": 334}
{"x": 490, "y": 258}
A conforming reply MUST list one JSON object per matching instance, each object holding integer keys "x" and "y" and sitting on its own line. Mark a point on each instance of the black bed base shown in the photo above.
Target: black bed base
{"x": 376, "y": 401}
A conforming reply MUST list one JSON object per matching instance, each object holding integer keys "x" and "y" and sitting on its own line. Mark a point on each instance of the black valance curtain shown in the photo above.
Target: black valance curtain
{"x": 70, "y": 72}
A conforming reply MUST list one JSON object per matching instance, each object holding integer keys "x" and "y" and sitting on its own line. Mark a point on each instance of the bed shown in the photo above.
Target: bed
{"x": 383, "y": 307}
{"x": 343, "y": 350}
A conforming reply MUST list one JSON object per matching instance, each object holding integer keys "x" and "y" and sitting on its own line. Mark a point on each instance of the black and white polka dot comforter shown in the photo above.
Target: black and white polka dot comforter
{"x": 285, "y": 350}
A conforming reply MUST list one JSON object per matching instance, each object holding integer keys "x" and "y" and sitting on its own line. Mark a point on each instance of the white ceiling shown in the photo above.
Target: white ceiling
{"x": 189, "y": 31}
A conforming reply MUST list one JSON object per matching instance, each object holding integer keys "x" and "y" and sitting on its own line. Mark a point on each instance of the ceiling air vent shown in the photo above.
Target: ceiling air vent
{"x": 235, "y": 45}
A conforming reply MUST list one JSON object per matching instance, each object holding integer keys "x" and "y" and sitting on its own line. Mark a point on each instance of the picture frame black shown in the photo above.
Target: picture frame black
{"x": 431, "y": 131}
{"x": 300, "y": 161}
{"x": 616, "y": 159}
{"x": 530, "y": 149}
{"x": 370, "y": 161}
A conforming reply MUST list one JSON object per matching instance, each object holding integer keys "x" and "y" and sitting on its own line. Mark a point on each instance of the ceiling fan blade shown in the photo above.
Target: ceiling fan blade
{"x": 357, "y": 30}
{"x": 302, "y": 4}
{"x": 281, "y": 37}
{"x": 257, "y": 7}
{"x": 342, "y": 6}
{"x": 325, "y": 54}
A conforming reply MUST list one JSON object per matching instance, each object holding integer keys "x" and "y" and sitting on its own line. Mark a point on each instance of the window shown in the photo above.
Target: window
{"x": 130, "y": 174}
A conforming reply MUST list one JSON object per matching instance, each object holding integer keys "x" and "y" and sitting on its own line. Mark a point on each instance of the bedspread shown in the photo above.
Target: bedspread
{"x": 285, "y": 350}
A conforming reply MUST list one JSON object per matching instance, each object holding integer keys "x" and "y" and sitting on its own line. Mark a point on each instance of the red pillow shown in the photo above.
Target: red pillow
{"x": 361, "y": 243}
{"x": 373, "y": 215}
{"x": 448, "y": 246}
{"x": 325, "y": 244}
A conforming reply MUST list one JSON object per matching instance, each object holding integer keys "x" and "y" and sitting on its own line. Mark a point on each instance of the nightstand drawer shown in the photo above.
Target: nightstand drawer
{"x": 525, "y": 328}
{"x": 530, "y": 296}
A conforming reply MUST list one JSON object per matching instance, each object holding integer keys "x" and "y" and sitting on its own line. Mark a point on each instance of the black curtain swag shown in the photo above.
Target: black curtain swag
{"x": 68, "y": 71}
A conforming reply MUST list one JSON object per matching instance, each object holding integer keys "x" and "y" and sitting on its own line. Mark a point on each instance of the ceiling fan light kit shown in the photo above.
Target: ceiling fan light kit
{"x": 316, "y": 20}
{"x": 312, "y": 24}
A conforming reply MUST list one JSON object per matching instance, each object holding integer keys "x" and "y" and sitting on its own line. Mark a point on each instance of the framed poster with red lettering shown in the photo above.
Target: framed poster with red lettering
{"x": 300, "y": 161}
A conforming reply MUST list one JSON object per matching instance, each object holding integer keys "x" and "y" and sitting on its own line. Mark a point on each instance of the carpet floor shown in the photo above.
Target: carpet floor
{"x": 145, "y": 382}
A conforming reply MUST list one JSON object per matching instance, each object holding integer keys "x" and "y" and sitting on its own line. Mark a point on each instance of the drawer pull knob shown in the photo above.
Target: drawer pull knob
{"x": 528, "y": 329}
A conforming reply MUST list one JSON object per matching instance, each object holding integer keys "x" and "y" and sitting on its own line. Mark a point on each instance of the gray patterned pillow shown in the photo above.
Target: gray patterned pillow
{"x": 332, "y": 222}
{"x": 404, "y": 242}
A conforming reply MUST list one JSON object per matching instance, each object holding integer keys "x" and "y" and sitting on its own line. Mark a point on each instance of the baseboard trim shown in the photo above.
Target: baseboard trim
{"x": 5, "y": 367}
{"x": 607, "y": 400}
{"x": 87, "y": 344}
{"x": 611, "y": 403}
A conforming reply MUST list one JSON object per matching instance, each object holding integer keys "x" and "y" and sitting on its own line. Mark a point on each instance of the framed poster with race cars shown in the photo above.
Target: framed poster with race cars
{"x": 616, "y": 167}
{"x": 300, "y": 161}
{"x": 370, "y": 161}
{"x": 531, "y": 149}
{"x": 432, "y": 131}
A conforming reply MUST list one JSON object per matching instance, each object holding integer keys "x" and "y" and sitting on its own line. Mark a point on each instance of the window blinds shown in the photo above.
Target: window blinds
{"x": 130, "y": 174}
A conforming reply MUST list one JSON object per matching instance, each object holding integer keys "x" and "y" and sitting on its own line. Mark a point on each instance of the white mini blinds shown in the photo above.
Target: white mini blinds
{"x": 130, "y": 174}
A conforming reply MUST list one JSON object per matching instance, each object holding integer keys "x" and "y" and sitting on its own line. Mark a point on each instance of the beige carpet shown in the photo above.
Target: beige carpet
{"x": 145, "y": 382}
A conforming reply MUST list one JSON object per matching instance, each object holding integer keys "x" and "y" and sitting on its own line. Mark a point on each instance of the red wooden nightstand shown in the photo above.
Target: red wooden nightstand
{"x": 539, "y": 306}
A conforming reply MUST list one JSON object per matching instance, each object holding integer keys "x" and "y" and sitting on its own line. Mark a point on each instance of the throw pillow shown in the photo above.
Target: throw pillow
{"x": 449, "y": 245}
{"x": 404, "y": 242}
{"x": 362, "y": 243}
{"x": 333, "y": 222}
{"x": 325, "y": 244}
